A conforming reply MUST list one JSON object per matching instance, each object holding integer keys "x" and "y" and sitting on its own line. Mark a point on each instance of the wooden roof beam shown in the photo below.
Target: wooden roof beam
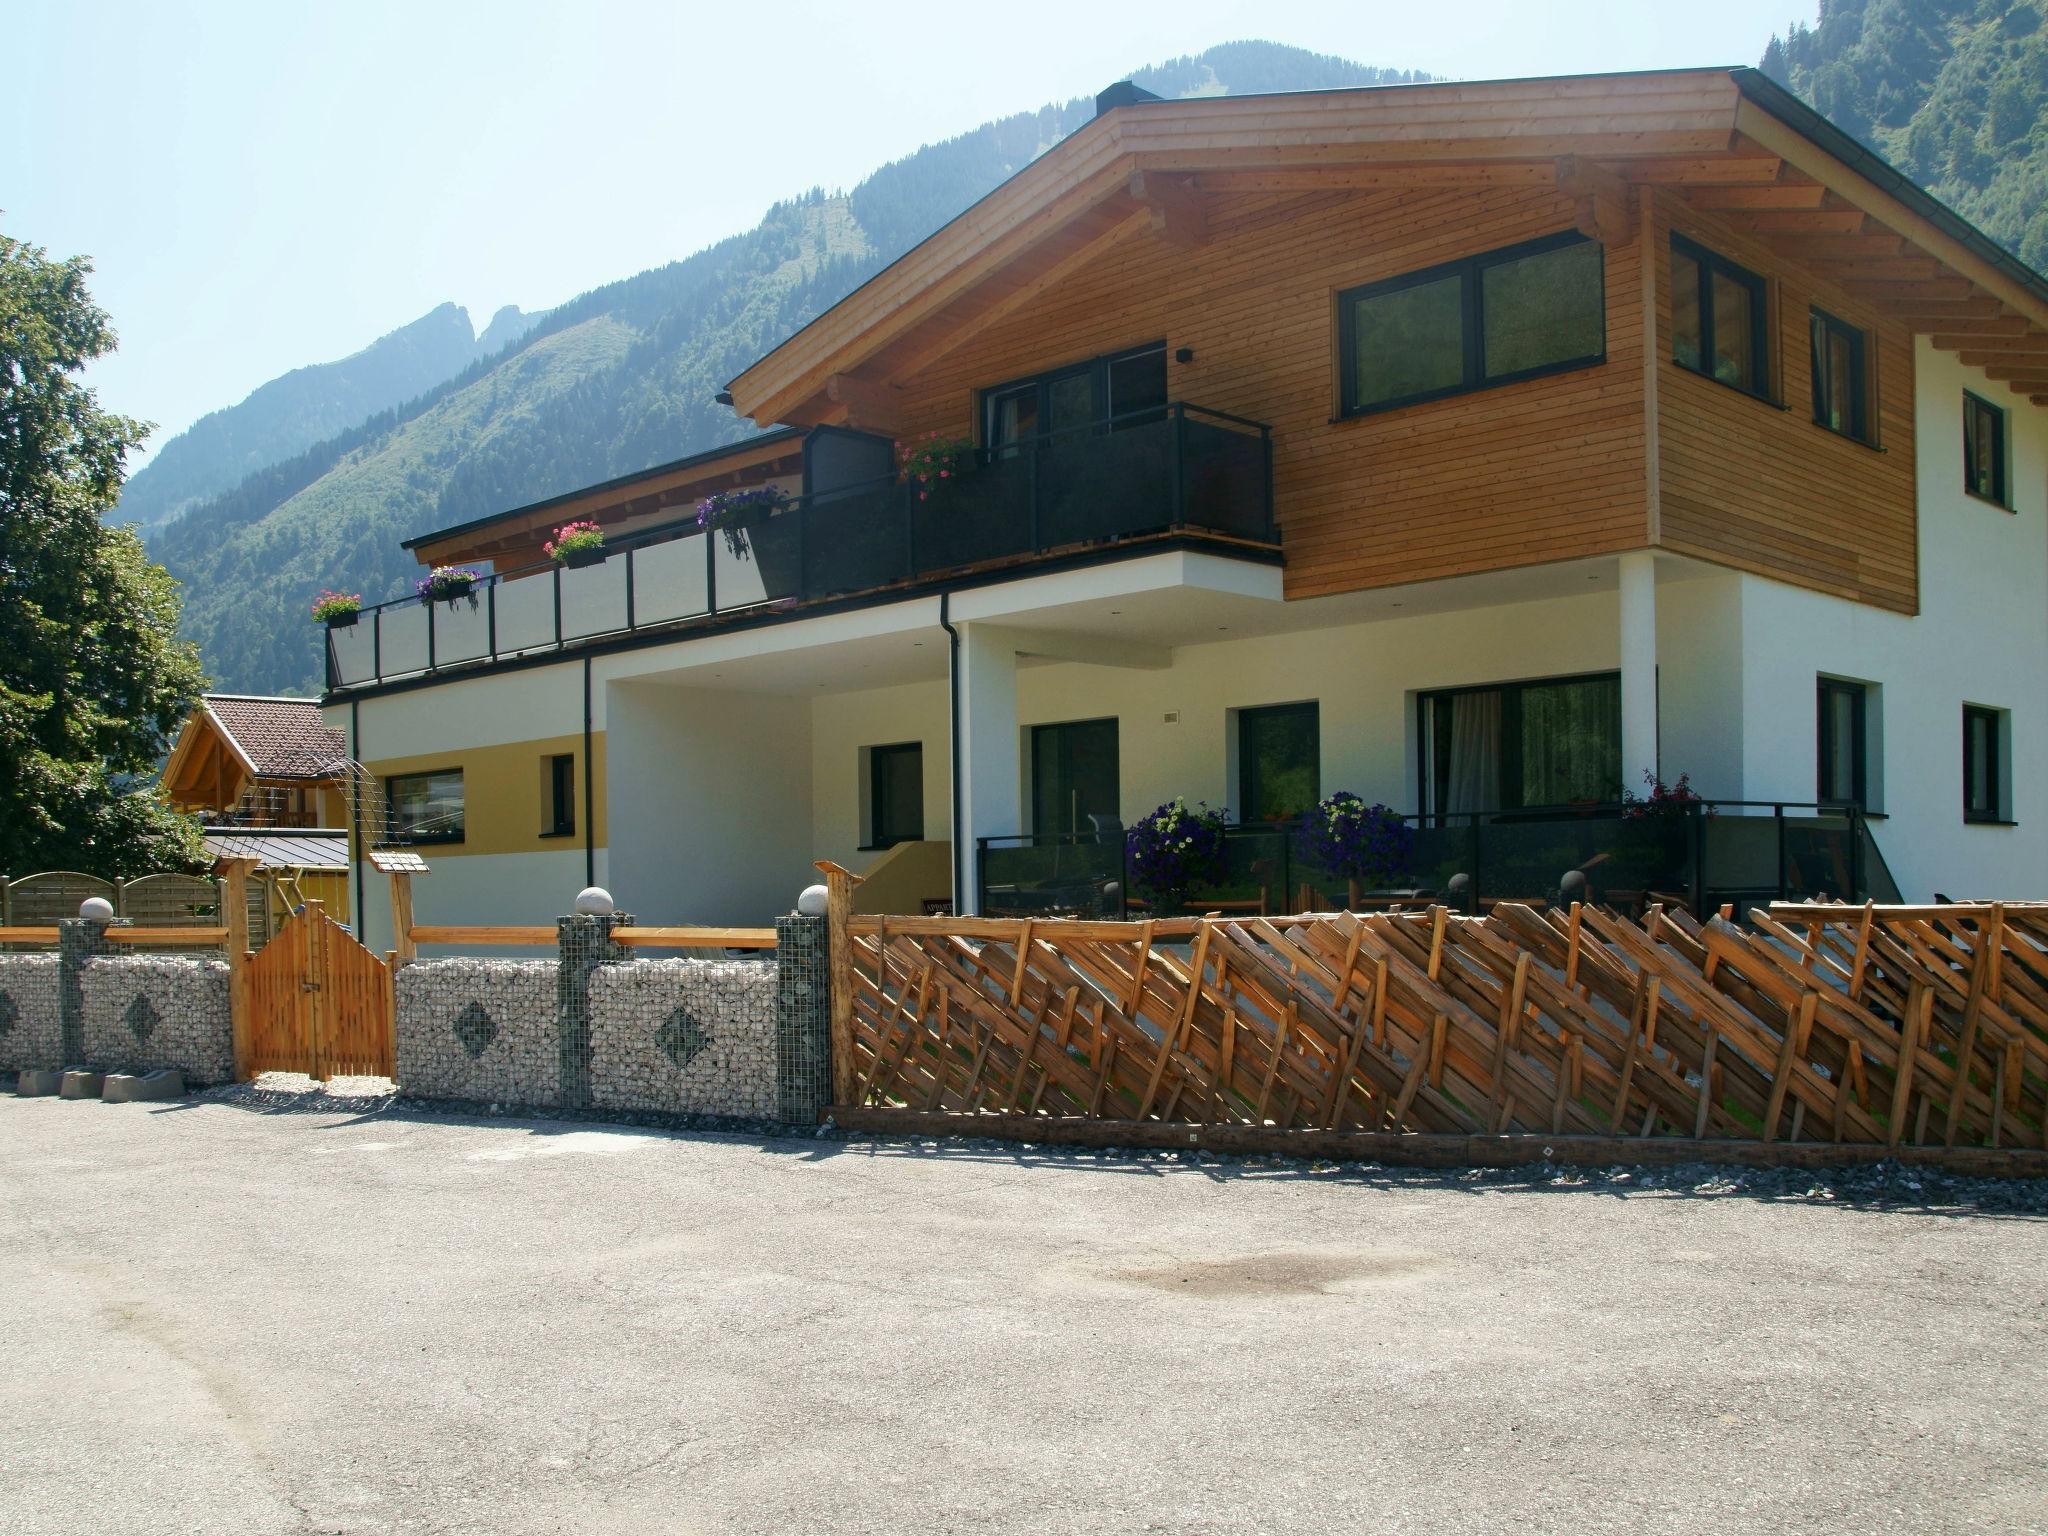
{"x": 1605, "y": 204}
{"x": 1996, "y": 348}
{"x": 1175, "y": 206}
{"x": 870, "y": 406}
{"x": 1785, "y": 194}
{"x": 1940, "y": 289}
{"x": 1801, "y": 221}
{"x": 1701, "y": 170}
{"x": 1372, "y": 178}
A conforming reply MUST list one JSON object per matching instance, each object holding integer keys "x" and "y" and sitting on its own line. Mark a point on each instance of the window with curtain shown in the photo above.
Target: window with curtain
{"x": 1117, "y": 390}
{"x": 1279, "y": 762}
{"x": 1517, "y": 745}
{"x": 1840, "y": 384}
{"x": 1983, "y": 449}
{"x": 1720, "y": 318}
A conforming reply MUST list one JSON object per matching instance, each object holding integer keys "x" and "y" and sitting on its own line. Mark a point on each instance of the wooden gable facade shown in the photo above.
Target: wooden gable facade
{"x": 1228, "y": 228}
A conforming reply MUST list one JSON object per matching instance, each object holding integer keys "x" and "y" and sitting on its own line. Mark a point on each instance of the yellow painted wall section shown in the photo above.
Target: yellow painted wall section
{"x": 504, "y": 793}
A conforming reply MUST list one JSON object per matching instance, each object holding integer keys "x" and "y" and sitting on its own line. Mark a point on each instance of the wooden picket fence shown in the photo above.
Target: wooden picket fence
{"x": 1828, "y": 1026}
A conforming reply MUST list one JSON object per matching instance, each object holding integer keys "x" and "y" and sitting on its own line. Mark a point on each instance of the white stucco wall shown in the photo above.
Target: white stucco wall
{"x": 709, "y": 802}
{"x": 1981, "y": 638}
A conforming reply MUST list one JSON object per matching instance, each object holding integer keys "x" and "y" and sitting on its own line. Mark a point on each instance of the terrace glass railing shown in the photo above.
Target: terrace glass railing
{"x": 1176, "y": 469}
{"x": 1719, "y": 852}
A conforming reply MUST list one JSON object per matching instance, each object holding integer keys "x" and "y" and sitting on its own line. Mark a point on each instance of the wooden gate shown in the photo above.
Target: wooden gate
{"x": 318, "y": 1002}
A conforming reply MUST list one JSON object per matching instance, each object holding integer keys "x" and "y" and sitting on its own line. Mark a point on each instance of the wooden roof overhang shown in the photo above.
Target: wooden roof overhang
{"x": 207, "y": 768}
{"x": 1723, "y": 140}
{"x": 517, "y": 535}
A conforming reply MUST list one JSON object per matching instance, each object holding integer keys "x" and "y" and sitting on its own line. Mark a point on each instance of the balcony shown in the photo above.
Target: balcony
{"x": 1719, "y": 852}
{"x": 1180, "y": 472}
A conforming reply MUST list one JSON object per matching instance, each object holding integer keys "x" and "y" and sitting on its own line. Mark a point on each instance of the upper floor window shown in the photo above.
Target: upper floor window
{"x": 1720, "y": 318}
{"x": 1983, "y": 449}
{"x": 426, "y": 807}
{"x": 1118, "y": 390}
{"x": 1498, "y": 318}
{"x": 1840, "y": 381}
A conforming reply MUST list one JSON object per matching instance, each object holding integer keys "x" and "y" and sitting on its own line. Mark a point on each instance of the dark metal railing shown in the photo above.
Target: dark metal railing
{"x": 1178, "y": 468}
{"x": 1713, "y": 853}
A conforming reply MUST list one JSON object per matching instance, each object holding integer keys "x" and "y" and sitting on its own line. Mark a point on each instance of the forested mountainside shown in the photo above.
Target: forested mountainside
{"x": 611, "y": 382}
{"x": 1950, "y": 91}
{"x": 308, "y": 405}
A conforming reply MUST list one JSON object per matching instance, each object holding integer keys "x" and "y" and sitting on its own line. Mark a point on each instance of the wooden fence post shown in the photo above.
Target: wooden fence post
{"x": 235, "y": 918}
{"x": 839, "y": 884}
{"x": 403, "y": 949}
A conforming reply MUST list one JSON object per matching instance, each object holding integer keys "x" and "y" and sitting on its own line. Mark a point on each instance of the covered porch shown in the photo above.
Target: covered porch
{"x": 989, "y": 747}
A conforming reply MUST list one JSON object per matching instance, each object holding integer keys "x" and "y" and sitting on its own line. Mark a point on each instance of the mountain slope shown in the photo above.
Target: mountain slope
{"x": 614, "y": 381}
{"x": 1951, "y": 91}
{"x": 306, "y": 406}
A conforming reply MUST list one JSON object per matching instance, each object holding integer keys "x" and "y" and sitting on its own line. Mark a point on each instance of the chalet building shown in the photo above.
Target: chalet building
{"x": 1480, "y": 449}
{"x": 269, "y": 780}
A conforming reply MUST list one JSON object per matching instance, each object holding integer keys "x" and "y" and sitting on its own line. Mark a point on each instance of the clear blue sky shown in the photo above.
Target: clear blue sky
{"x": 268, "y": 185}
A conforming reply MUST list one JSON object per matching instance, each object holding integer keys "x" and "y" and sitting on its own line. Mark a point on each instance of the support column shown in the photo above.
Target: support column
{"x": 79, "y": 939}
{"x": 986, "y": 778}
{"x": 583, "y": 942}
{"x": 1638, "y": 669}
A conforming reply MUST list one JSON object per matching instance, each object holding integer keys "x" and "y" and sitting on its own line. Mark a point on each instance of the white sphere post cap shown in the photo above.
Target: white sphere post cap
{"x": 813, "y": 901}
{"x": 96, "y": 909}
{"x": 594, "y": 901}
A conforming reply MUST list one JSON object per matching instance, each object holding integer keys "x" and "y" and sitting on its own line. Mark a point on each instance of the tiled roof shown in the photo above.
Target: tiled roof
{"x": 280, "y": 738}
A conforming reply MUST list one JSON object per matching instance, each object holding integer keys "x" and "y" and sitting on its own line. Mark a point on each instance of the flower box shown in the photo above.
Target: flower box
{"x": 589, "y": 554}
{"x": 343, "y": 620}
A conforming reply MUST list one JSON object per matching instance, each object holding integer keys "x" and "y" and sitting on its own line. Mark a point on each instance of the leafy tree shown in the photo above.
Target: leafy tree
{"x": 93, "y": 678}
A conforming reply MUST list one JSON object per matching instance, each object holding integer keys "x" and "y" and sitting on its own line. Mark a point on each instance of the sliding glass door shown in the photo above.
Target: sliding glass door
{"x": 1074, "y": 784}
{"x": 1516, "y": 745}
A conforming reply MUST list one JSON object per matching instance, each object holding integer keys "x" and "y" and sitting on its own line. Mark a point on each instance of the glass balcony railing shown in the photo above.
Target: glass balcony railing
{"x": 1179, "y": 469}
{"x": 1716, "y": 853}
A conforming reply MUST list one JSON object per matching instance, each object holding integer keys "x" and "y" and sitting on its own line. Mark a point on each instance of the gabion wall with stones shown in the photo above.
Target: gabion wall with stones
{"x": 692, "y": 1037}
{"x": 145, "y": 1012}
{"x": 479, "y": 1029}
{"x": 30, "y": 1035}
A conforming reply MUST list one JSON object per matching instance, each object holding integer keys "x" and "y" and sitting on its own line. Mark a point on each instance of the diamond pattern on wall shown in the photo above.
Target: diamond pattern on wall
{"x": 475, "y": 1028}
{"x": 681, "y": 1038}
{"x": 142, "y": 1017}
{"x": 10, "y": 1014}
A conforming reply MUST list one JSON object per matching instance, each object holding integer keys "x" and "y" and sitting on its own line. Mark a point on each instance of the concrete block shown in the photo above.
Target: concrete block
{"x": 147, "y": 1087}
{"x": 80, "y": 1083}
{"x": 33, "y": 1081}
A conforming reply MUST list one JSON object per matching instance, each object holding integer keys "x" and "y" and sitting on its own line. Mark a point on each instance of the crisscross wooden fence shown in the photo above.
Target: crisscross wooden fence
{"x": 1816, "y": 1027}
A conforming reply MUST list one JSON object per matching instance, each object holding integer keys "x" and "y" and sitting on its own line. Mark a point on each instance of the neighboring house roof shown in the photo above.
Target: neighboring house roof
{"x": 517, "y": 530}
{"x": 1146, "y": 163}
{"x": 232, "y": 740}
{"x": 278, "y": 738}
{"x": 281, "y": 850}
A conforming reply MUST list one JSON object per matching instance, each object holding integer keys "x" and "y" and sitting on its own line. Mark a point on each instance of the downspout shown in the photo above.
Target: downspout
{"x": 589, "y": 788}
{"x": 953, "y": 761}
{"x": 355, "y": 811}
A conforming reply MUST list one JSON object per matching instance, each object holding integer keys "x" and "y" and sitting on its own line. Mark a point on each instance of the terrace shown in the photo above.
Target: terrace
{"x": 1180, "y": 475}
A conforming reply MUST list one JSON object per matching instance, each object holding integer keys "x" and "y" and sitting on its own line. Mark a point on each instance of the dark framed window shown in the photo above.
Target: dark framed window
{"x": 895, "y": 794}
{"x": 1984, "y": 758}
{"x": 1841, "y": 742}
{"x": 1984, "y": 449}
{"x": 1119, "y": 389}
{"x": 425, "y": 807}
{"x": 1841, "y": 385}
{"x": 1720, "y": 318}
{"x": 1498, "y": 318}
{"x": 559, "y": 811}
{"x": 1279, "y": 762}
{"x": 1511, "y": 746}
{"x": 1074, "y": 776}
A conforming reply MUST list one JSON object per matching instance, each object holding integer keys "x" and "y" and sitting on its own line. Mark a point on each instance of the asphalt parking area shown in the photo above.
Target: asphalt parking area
{"x": 228, "y": 1318}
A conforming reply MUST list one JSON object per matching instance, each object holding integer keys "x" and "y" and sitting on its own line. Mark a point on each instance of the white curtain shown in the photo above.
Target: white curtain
{"x": 1474, "y": 753}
